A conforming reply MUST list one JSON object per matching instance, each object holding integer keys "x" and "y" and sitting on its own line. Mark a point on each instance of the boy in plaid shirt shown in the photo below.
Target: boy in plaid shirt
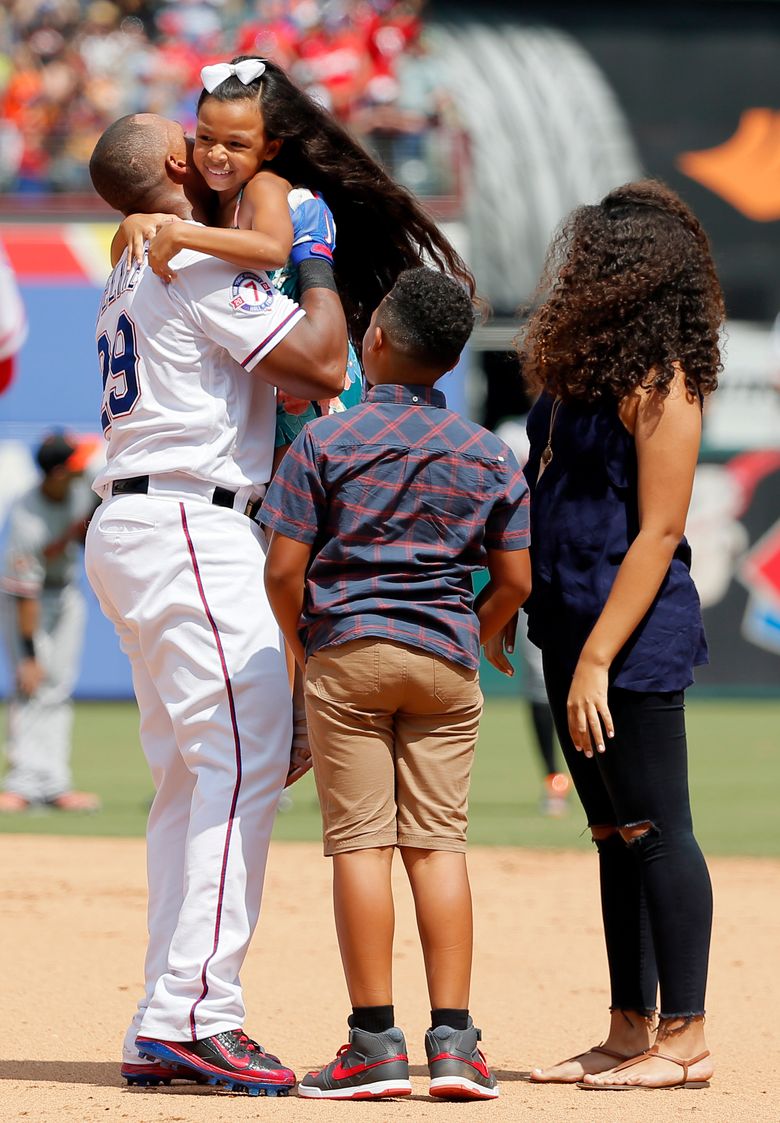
{"x": 381, "y": 515}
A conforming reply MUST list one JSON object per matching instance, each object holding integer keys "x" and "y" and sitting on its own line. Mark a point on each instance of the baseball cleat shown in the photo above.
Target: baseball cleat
{"x": 153, "y": 1073}
{"x": 230, "y": 1058}
{"x": 458, "y": 1068}
{"x": 372, "y": 1066}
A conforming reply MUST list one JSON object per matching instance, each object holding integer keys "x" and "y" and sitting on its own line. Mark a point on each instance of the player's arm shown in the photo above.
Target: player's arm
{"x": 265, "y": 245}
{"x": 29, "y": 672}
{"x": 310, "y": 361}
{"x": 667, "y": 435}
{"x": 300, "y": 348}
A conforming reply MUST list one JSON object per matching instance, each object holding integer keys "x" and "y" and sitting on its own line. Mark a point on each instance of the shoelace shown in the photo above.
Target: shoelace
{"x": 252, "y": 1046}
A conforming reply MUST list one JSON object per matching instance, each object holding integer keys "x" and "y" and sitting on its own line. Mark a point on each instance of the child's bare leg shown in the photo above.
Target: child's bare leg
{"x": 442, "y": 899}
{"x": 365, "y": 922}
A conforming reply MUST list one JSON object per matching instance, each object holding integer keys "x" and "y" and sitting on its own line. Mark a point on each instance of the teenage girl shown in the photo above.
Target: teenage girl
{"x": 624, "y": 349}
{"x": 258, "y": 137}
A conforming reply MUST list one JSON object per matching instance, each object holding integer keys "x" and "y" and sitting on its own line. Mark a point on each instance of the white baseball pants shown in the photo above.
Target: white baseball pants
{"x": 182, "y": 581}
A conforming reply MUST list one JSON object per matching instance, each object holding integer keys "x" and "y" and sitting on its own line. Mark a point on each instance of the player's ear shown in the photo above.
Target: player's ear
{"x": 176, "y": 169}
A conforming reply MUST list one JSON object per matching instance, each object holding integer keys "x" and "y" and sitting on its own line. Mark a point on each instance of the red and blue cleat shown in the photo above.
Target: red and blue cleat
{"x": 229, "y": 1058}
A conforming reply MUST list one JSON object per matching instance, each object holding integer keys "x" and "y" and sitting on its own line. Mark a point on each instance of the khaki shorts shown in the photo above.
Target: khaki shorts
{"x": 392, "y": 732}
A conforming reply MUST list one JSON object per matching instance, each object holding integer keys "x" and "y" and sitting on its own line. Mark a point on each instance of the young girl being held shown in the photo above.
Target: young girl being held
{"x": 258, "y": 138}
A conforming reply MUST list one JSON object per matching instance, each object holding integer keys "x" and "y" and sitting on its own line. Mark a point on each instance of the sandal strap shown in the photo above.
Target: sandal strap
{"x": 609, "y": 1053}
{"x": 654, "y": 1051}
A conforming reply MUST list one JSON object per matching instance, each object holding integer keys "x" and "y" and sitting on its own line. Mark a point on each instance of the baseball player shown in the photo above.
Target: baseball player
{"x": 176, "y": 556}
{"x": 43, "y": 616}
{"x": 13, "y": 322}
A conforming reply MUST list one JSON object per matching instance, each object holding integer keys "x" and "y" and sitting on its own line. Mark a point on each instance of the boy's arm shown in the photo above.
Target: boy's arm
{"x": 294, "y": 508}
{"x": 265, "y": 246}
{"x": 509, "y": 564}
{"x": 285, "y": 577}
{"x": 507, "y": 589}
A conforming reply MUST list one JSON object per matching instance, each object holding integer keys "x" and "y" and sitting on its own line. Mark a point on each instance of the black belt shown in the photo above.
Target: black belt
{"x": 222, "y": 496}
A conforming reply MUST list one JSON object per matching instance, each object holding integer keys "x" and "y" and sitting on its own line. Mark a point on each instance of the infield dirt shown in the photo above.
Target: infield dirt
{"x": 72, "y": 937}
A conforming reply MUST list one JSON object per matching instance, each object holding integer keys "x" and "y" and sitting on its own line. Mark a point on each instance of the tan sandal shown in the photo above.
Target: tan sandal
{"x": 653, "y": 1051}
{"x": 576, "y": 1079}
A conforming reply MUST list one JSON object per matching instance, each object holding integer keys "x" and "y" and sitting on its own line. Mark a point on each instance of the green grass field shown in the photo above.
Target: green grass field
{"x": 735, "y": 781}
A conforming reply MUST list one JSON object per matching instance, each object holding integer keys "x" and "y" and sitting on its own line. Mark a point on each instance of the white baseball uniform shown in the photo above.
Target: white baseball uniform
{"x": 13, "y": 322}
{"x": 182, "y": 580}
{"x": 39, "y": 727}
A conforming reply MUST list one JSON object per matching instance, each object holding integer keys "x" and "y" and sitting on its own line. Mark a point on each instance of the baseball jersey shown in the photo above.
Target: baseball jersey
{"x": 34, "y": 522}
{"x": 176, "y": 360}
{"x": 13, "y": 323}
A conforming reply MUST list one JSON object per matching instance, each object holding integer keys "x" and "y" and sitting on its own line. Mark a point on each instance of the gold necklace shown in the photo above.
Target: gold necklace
{"x": 547, "y": 452}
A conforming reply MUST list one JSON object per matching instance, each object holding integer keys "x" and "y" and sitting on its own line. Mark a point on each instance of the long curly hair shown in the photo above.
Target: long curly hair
{"x": 381, "y": 229}
{"x": 629, "y": 294}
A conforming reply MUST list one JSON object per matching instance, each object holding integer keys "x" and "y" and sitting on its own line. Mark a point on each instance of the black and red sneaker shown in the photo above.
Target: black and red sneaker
{"x": 372, "y": 1066}
{"x": 458, "y": 1068}
{"x": 229, "y": 1058}
{"x": 153, "y": 1073}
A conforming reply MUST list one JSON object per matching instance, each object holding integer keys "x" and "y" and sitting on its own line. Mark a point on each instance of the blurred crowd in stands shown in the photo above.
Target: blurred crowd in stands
{"x": 69, "y": 67}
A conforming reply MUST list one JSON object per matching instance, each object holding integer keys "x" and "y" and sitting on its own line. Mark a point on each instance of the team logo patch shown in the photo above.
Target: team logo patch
{"x": 251, "y": 293}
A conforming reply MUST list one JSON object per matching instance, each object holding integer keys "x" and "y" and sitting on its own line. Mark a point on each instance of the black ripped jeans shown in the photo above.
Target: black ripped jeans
{"x": 656, "y": 896}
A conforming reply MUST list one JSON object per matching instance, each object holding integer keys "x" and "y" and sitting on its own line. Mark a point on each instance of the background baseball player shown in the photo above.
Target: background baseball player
{"x": 176, "y": 559}
{"x": 43, "y": 616}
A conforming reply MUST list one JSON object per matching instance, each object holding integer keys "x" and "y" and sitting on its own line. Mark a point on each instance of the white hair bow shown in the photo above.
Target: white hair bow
{"x": 246, "y": 72}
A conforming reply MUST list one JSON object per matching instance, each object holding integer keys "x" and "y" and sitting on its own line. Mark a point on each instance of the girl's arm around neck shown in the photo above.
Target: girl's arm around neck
{"x": 265, "y": 244}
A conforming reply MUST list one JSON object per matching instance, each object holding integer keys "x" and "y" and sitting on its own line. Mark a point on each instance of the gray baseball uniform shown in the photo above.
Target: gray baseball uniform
{"x": 39, "y": 727}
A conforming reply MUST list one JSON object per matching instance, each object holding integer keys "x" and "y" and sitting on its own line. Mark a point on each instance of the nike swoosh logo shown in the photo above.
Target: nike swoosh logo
{"x": 341, "y": 1073}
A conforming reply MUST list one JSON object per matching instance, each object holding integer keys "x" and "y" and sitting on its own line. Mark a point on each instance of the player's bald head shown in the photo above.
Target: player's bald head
{"x": 128, "y": 165}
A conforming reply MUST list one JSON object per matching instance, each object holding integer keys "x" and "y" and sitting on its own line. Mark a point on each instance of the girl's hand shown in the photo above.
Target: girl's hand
{"x": 503, "y": 640}
{"x": 166, "y": 243}
{"x": 587, "y": 707}
{"x": 139, "y": 228}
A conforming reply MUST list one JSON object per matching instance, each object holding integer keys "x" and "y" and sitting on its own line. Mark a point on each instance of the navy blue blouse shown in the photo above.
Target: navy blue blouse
{"x": 584, "y": 516}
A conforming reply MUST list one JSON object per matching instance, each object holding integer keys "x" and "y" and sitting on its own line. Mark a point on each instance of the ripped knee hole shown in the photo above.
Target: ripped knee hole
{"x": 634, "y": 831}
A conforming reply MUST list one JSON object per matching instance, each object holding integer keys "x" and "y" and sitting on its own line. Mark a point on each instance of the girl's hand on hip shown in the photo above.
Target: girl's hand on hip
{"x": 587, "y": 708}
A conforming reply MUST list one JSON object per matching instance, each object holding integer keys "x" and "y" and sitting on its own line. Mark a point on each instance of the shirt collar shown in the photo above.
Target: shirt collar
{"x": 403, "y": 395}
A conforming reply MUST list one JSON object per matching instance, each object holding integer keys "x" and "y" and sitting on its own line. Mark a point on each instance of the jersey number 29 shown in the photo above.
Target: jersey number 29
{"x": 119, "y": 369}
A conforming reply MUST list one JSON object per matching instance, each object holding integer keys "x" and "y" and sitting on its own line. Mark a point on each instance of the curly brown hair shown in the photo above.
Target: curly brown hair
{"x": 629, "y": 293}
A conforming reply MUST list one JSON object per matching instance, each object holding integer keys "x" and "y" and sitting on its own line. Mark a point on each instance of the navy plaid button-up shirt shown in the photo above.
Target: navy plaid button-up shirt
{"x": 400, "y": 498}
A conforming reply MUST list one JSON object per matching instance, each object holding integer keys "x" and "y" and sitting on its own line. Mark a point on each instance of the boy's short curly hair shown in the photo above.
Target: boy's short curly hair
{"x": 428, "y": 316}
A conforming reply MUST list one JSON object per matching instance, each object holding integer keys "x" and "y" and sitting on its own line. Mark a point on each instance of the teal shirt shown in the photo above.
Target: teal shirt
{"x": 292, "y": 416}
